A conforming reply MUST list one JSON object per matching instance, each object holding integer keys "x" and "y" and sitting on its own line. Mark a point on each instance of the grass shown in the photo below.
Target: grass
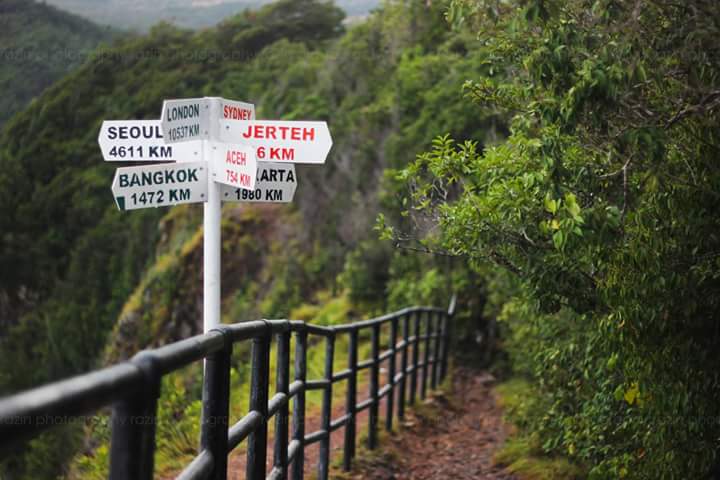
{"x": 521, "y": 454}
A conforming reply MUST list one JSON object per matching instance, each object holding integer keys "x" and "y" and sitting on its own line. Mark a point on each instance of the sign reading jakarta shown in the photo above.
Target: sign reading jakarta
{"x": 160, "y": 185}
{"x": 281, "y": 141}
{"x": 142, "y": 141}
{"x": 276, "y": 183}
{"x": 234, "y": 110}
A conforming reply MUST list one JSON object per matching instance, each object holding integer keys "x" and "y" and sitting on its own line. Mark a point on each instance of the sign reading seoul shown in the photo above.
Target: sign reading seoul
{"x": 142, "y": 141}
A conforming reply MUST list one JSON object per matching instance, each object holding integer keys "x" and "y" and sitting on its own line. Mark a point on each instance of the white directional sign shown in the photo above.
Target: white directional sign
{"x": 233, "y": 110}
{"x": 234, "y": 165}
{"x": 281, "y": 141}
{"x": 185, "y": 120}
{"x": 160, "y": 185}
{"x": 276, "y": 183}
{"x": 142, "y": 141}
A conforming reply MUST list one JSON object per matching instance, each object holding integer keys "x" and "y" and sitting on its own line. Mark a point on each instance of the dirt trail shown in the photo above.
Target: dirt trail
{"x": 459, "y": 446}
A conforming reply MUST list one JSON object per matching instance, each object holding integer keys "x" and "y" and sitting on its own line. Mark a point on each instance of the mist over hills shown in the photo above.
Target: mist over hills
{"x": 142, "y": 14}
{"x": 38, "y": 45}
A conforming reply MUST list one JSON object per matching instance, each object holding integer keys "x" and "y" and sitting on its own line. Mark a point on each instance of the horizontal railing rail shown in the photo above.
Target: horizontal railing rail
{"x": 133, "y": 388}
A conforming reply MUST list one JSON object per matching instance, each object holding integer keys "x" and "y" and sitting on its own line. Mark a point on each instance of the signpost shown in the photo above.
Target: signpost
{"x": 221, "y": 153}
{"x": 160, "y": 185}
{"x": 281, "y": 141}
{"x": 142, "y": 141}
{"x": 276, "y": 183}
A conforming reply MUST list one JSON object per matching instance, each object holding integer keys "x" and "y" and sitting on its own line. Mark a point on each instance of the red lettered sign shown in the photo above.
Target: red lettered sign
{"x": 281, "y": 141}
{"x": 234, "y": 165}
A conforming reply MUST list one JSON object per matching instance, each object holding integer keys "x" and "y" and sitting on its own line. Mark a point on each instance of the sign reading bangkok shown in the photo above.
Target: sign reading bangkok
{"x": 160, "y": 185}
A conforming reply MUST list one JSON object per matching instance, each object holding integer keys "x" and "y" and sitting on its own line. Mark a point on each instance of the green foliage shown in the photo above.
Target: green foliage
{"x": 38, "y": 45}
{"x": 366, "y": 273}
{"x": 601, "y": 203}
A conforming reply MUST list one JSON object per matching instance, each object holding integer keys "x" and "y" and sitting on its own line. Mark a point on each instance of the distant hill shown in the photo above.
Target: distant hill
{"x": 141, "y": 14}
{"x": 38, "y": 45}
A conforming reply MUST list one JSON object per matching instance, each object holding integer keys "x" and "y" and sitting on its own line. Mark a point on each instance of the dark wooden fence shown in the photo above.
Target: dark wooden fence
{"x": 418, "y": 339}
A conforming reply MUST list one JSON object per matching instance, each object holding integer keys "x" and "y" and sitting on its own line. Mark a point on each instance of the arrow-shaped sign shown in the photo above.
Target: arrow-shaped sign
{"x": 276, "y": 183}
{"x": 234, "y": 165}
{"x": 281, "y": 141}
{"x": 142, "y": 141}
{"x": 160, "y": 185}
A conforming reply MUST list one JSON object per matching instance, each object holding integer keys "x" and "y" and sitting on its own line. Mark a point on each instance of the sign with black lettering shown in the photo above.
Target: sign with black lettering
{"x": 275, "y": 183}
{"x": 279, "y": 140}
{"x": 186, "y": 120}
{"x": 142, "y": 141}
{"x": 160, "y": 185}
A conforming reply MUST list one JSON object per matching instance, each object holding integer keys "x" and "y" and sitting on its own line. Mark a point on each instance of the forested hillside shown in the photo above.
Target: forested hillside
{"x": 78, "y": 269}
{"x": 38, "y": 45}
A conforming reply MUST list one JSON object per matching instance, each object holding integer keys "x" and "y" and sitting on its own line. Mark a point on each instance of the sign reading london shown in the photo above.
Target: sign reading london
{"x": 160, "y": 185}
{"x": 281, "y": 141}
{"x": 142, "y": 141}
{"x": 276, "y": 183}
{"x": 185, "y": 120}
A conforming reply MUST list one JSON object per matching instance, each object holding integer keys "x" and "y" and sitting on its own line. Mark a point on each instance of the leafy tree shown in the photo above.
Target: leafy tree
{"x": 603, "y": 203}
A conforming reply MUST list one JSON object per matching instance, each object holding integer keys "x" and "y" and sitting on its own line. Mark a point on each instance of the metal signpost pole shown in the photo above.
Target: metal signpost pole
{"x": 212, "y": 242}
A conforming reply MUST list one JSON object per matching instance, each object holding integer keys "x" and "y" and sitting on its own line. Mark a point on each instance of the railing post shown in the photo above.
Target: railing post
{"x": 324, "y": 463}
{"x": 350, "y": 404}
{"x": 446, "y": 335}
{"x": 216, "y": 401}
{"x": 282, "y": 384}
{"x": 391, "y": 375}
{"x": 257, "y": 441}
{"x": 436, "y": 351}
{"x": 426, "y": 356}
{"x": 299, "y": 404}
{"x": 416, "y": 357}
{"x": 132, "y": 447}
{"x": 404, "y": 364}
{"x": 374, "y": 386}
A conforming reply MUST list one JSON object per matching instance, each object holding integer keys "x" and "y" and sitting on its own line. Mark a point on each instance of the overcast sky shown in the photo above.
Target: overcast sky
{"x": 142, "y": 14}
